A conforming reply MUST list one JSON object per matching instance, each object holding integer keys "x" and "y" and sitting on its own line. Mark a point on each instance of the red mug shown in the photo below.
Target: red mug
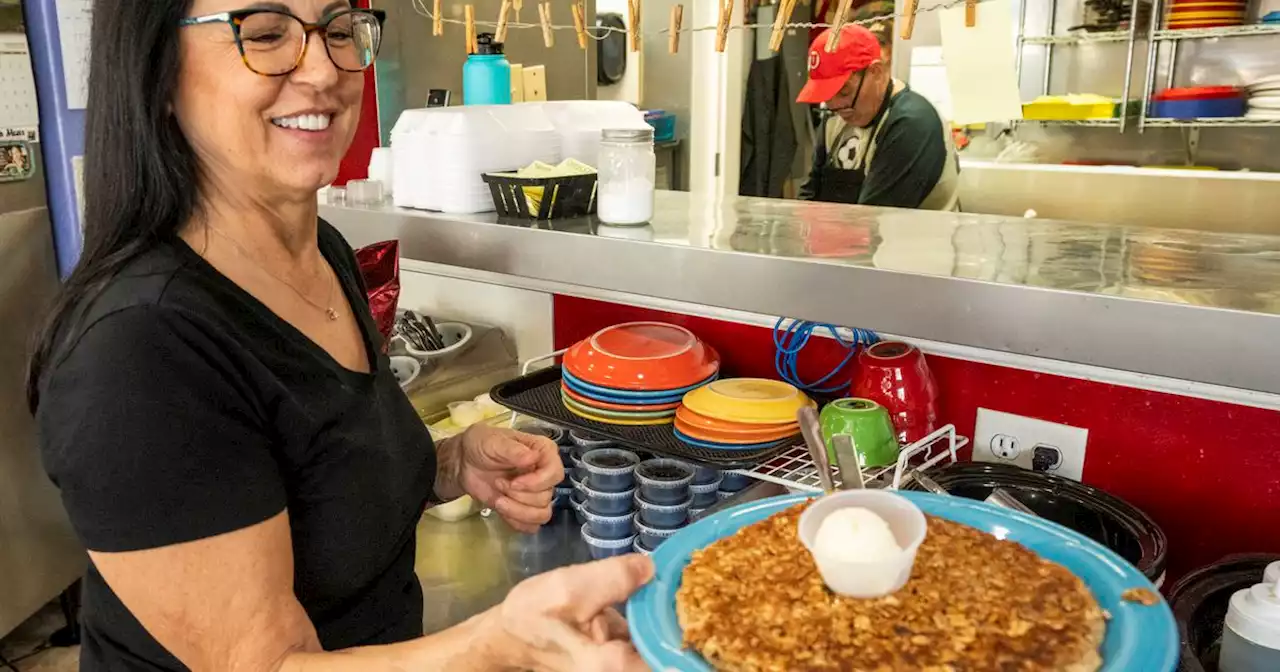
{"x": 895, "y": 375}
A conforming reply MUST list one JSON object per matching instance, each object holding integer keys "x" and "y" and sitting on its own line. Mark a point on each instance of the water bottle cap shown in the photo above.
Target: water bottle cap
{"x": 486, "y": 45}
{"x": 1254, "y": 614}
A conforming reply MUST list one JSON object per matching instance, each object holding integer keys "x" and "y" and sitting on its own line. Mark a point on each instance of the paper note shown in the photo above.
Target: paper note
{"x": 928, "y": 78}
{"x": 17, "y": 87}
{"x": 74, "y": 20}
{"x": 981, "y": 63}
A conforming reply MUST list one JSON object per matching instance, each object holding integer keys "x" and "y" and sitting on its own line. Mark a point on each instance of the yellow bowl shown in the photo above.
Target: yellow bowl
{"x": 625, "y": 423}
{"x": 748, "y": 400}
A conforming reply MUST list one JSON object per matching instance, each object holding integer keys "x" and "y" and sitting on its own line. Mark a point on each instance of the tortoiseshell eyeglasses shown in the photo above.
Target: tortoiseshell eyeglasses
{"x": 273, "y": 42}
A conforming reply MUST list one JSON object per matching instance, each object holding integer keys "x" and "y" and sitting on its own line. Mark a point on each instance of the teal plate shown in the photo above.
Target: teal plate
{"x": 1138, "y": 639}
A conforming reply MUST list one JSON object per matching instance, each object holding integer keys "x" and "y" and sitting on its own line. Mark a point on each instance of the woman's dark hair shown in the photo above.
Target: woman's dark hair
{"x": 140, "y": 172}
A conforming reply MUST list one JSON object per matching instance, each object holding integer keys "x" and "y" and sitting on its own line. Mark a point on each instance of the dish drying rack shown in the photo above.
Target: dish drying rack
{"x": 795, "y": 469}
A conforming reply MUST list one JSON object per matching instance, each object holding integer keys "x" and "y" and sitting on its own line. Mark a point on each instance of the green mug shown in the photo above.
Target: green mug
{"x": 867, "y": 423}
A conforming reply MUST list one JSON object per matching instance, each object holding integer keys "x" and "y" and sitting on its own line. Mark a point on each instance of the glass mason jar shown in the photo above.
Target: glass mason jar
{"x": 626, "y": 176}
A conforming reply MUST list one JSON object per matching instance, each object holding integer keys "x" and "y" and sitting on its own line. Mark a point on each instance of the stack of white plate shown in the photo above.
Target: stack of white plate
{"x": 1264, "y": 98}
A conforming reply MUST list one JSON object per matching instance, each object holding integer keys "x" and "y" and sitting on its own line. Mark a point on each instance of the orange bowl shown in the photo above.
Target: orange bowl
{"x": 609, "y": 406}
{"x": 1206, "y": 16}
{"x": 1187, "y": 25}
{"x": 739, "y": 438}
{"x": 642, "y": 356}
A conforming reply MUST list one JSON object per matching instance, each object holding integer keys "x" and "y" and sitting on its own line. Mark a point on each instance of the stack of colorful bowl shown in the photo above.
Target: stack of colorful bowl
{"x": 635, "y": 373}
{"x": 740, "y": 414}
{"x": 1186, "y": 14}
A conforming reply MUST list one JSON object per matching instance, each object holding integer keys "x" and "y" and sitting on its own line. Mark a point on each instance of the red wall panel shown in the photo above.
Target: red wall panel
{"x": 355, "y": 165}
{"x": 1207, "y": 471}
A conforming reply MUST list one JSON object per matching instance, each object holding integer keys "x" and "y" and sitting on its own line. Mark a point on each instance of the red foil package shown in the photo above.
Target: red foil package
{"x": 380, "y": 268}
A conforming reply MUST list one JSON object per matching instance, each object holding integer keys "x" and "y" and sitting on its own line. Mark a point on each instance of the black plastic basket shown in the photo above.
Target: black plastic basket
{"x": 538, "y": 395}
{"x": 562, "y": 197}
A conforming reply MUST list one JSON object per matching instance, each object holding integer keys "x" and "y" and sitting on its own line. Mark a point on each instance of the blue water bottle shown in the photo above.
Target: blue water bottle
{"x": 486, "y": 76}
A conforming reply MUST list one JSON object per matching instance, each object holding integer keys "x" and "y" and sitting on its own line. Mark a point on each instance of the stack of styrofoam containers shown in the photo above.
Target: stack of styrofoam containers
{"x": 439, "y": 154}
{"x": 579, "y": 122}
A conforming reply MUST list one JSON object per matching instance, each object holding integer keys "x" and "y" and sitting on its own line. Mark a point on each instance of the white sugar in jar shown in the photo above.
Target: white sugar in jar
{"x": 626, "y": 176}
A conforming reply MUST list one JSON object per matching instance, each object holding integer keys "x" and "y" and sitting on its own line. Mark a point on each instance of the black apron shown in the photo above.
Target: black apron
{"x": 844, "y": 185}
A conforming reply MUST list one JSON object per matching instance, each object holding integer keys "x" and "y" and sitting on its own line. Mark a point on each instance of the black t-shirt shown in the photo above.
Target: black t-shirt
{"x": 181, "y": 408}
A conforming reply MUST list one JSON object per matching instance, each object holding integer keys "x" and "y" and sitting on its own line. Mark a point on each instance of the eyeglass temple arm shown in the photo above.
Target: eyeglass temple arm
{"x": 223, "y": 17}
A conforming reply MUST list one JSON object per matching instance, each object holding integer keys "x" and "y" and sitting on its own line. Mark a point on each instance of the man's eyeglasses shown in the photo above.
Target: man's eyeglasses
{"x": 273, "y": 42}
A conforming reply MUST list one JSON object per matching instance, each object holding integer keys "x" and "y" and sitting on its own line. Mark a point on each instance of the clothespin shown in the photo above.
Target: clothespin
{"x": 677, "y": 17}
{"x": 437, "y": 19}
{"x": 780, "y": 23}
{"x": 500, "y": 35}
{"x": 842, "y": 14}
{"x": 633, "y": 23}
{"x": 518, "y": 5}
{"x": 722, "y": 25}
{"x": 470, "y": 13}
{"x": 544, "y": 18}
{"x": 579, "y": 25}
{"x": 970, "y": 13}
{"x": 909, "y": 25}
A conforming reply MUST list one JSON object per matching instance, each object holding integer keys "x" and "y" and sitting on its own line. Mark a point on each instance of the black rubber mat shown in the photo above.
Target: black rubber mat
{"x": 538, "y": 395}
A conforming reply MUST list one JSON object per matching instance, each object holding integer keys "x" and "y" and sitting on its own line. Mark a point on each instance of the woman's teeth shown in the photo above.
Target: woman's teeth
{"x": 305, "y": 122}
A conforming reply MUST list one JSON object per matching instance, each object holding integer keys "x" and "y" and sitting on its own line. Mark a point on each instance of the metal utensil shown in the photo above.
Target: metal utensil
{"x": 812, "y": 431}
{"x": 847, "y": 460}
{"x": 1004, "y": 498}
{"x": 435, "y": 333}
{"x": 929, "y": 484}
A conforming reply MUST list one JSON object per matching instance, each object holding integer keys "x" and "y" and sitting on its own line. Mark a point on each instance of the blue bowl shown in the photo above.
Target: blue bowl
{"x": 1197, "y": 109}
{"x": 1138, "y": 638}
{"x": 629, "y": 396}
{"x": 698, "y": 443}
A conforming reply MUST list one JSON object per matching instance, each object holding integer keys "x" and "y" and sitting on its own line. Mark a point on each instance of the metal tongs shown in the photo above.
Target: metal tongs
{"x": 999, "y": 496}
{"x": 419, "y": 331}
{"x": 842, "y": 446}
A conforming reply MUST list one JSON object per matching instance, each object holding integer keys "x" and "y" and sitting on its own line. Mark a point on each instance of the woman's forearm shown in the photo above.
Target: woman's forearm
{"x": 467, "y": 647}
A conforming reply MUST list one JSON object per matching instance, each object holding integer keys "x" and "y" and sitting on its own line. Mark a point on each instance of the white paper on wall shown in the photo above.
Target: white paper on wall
{"x": 18, "y": 111}
{"x": 74, "y": 20}
{"x": 980, "y": 63}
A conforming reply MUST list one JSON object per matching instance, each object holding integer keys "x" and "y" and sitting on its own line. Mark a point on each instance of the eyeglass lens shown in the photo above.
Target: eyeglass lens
{"x": 273, "y": 42}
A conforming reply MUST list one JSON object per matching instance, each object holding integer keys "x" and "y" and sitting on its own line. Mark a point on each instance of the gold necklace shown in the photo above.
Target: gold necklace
{"x": 328, "y": 310}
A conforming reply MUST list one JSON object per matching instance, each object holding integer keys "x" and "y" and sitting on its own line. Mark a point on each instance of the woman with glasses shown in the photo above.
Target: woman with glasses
{"x": 211, "y": 393}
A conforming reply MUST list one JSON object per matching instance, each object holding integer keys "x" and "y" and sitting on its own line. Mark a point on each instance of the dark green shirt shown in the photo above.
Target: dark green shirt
{"x": 910, "y": 157}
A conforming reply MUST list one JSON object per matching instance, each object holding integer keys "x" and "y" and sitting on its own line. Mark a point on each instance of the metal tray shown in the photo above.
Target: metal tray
{"x": 538, "y": 394}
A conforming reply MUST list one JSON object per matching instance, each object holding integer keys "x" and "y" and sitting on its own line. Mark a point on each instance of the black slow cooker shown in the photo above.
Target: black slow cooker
{"x": 1094, "y": 513}
{"x": 1199, "y": 601}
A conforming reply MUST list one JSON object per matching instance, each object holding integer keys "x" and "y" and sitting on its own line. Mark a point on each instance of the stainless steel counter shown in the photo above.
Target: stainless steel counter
{"x": 1195, "y": 306}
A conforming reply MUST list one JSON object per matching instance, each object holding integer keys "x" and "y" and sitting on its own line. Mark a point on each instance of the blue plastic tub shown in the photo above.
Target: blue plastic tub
{"x": 652, "y": 537}
{"x": 610, "y": 527}
{"x": 664, "y": 481}
{"x": 663, "y": 123}
{"x": 1197, "y": 109}
{"x": 734, "y": 482}
{"x": 610, "y": 469}
{"x": 703, "y": 475}
{"x": 606, "y": 548}
{"x": 665, "y": 516}
{"x": 704, "y": 495}
{"x": 609, "y": 503}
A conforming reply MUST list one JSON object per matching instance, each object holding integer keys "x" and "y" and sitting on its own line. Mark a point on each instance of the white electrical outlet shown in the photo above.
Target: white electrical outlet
{"x": 1038, "y": 445}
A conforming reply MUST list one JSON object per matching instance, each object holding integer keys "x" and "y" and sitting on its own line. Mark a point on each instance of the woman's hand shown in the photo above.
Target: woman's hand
{"x": 564, "y": 620}
{"x": 510, "y": 472}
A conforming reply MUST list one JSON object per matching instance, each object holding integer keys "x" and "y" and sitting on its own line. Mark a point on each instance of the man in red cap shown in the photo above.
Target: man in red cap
{"x": 885, "y": 144}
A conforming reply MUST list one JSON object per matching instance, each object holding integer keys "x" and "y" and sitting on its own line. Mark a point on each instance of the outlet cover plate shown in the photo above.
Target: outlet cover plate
{"x": 1038, "y": 445}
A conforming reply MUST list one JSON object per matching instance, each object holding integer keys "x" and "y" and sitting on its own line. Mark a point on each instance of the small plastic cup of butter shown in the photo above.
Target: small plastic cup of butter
{"x": 882, "y": 571}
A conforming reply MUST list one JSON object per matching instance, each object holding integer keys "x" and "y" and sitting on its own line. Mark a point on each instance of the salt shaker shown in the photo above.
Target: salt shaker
{"x": 626, "y": 176}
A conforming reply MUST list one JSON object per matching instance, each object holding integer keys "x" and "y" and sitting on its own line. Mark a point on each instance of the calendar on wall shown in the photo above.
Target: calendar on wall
{"x": 19, "y": 115}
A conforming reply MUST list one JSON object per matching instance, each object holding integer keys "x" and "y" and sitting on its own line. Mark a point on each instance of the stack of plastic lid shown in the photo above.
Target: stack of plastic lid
{"x": 635, "y": 373}
{"x": 1187, "y": 14}
{"x": 740, "y": 414}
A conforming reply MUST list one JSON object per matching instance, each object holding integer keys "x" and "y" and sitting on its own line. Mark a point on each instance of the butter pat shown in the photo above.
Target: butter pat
{"x": 856, "y": 534}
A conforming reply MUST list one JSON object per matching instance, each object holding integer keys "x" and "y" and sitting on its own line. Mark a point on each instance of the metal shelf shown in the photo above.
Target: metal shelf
{"x": 1098, "y": 123}
{"x": 1249, "y": 30}
{"x": 794, "y": 469}
{"x": 1080, "y": 38}
{"x": 1221, "y": 122}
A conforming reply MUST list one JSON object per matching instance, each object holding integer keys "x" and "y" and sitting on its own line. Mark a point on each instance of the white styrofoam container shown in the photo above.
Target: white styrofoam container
{"x": 439, "y": 154}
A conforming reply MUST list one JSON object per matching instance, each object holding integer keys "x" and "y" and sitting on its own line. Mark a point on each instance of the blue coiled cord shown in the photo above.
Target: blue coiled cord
{"x": 789, "y": 341}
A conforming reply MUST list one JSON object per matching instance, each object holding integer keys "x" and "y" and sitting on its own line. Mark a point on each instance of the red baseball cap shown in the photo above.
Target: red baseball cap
{"x": 828, "y": 71}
